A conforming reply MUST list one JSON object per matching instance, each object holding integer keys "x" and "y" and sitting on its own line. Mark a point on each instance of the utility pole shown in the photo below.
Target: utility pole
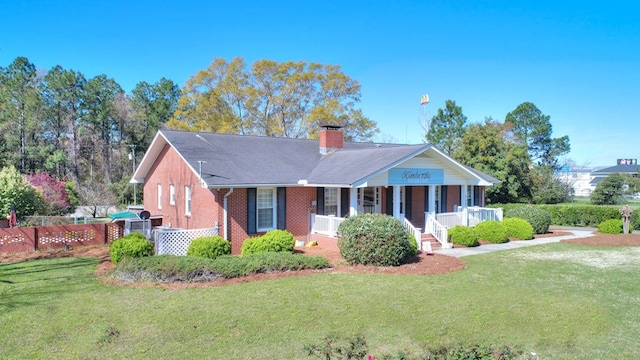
{"x": 132, "y": 156}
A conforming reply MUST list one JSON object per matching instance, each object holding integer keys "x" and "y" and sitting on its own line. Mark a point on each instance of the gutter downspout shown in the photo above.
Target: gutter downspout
{"x": 225, "y": 216}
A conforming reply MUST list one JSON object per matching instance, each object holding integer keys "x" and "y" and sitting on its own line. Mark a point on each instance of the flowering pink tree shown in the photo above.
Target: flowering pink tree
{"x": 54, "y": 192}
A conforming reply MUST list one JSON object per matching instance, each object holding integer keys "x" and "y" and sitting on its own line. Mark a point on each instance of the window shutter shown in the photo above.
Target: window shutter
{"x": 320, "y": 201}
{"x": 344, "y": 202}
{"x": 476, "y": 196}
{"x": 407, "y": 202}
{"x": 389, "y": 200}
{"x": 251, "y": 210}
{"x": 282, "y": 208}
{"x": 426, "y": 199}
{"x": 443, "y": 196}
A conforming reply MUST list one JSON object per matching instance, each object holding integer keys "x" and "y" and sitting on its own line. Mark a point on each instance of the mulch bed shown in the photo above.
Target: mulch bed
{"x": 601, "y": 239}
{"x": 422, "y": 264}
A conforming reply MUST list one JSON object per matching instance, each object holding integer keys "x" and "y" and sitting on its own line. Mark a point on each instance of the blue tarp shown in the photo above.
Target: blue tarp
{"x": 123, "y": 215}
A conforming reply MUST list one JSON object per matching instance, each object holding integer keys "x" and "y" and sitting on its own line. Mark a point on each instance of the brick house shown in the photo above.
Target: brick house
{"x": 248, "y": 185}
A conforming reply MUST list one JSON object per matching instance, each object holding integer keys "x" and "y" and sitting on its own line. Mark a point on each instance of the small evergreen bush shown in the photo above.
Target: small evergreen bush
{"x": 538, "y": 218}
{"x": 518, "y": 228}
{"x": 463, "y": 236}
{"x": 132, "y": 245}
{"x": 373, "y": 239}
{"x": 492, "y": 231}
{"x": 611, "y": 226}
{"x": 272, "y": 241}
{"x": 209, "y": 247}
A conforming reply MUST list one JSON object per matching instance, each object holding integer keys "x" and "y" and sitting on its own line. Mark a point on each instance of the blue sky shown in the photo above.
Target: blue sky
{"x": 577, "y": 61}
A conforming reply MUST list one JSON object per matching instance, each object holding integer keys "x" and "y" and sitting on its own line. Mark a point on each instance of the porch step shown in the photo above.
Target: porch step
{"x": 434, "y": 242}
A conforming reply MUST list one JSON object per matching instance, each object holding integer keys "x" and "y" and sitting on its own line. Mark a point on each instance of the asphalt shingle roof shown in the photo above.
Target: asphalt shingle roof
{"x": 229, "y": 160}
{"x": 633, "y": 169}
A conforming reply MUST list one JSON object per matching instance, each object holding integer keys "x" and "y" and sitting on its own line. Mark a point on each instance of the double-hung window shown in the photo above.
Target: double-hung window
{"x": 266, "y": 206}
{"x": 159, "y": 196}
{"x": 331, "y": 201}
{"x": 187, "y": 200}
{"x": 172, "y": 194}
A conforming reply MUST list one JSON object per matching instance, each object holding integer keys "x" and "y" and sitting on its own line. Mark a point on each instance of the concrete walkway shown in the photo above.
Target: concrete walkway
{"x": 482, "y": 249}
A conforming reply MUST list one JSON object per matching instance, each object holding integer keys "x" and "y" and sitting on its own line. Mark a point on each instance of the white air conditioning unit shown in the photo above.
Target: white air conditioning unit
{"x": 138, "y": 225}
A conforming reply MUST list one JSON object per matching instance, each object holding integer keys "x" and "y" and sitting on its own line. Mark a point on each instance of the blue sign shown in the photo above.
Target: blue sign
{"x": 415, "y": 176}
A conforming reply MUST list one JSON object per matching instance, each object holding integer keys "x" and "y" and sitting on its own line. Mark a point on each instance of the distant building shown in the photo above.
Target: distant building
{"x": 579, "y": 177}
{"x": 624, "y": 166}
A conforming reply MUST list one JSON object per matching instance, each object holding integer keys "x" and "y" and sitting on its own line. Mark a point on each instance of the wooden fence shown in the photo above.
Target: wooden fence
{"x": 25, "y": 239}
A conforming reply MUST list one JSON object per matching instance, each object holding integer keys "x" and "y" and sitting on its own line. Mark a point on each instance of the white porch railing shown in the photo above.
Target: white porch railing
{"x": 469, "y": 216}
{"x": 416, "y": 232}
{"x": 438, "y": 231}
{"x": 326, "y": 224}
{"x": 475, "y": 215}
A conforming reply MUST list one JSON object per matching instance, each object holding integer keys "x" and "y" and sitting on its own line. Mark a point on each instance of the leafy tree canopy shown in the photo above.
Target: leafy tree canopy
{"x": 447, "y": 128}
{"x": 288, "y": 99}
{"x": 16, "y": 191}
{"x": 533, "y": 129}
{"x": 484, "y": 148}
{"x": 612, "y": 189}
{"x": 57, "y": 200}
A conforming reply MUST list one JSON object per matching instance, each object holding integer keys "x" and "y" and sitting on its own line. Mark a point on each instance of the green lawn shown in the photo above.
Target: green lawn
{"x": 560, "y": 301}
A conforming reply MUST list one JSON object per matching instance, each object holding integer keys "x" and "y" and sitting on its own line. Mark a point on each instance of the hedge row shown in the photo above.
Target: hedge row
{"x": 579, "y": 215}
{"x": 170, "y": 268}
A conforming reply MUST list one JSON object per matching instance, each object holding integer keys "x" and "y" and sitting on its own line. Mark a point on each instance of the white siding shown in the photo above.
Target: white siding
{"x": 453, "y": 175}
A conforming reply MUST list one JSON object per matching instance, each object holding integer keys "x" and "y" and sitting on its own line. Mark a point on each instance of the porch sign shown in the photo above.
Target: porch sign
{"x": 415, "y": 176}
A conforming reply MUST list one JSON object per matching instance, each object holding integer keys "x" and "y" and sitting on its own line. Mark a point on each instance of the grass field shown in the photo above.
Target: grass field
{"x": 559, "y": 301}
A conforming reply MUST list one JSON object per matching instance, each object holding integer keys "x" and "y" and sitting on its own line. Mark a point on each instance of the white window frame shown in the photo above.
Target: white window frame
{"x": 187, "y": 200}
{"x": 172, "y": 194}
{"x": 328, "y": 195}
{"x": 159, "y": 196}
{"x": 273, "y": 207}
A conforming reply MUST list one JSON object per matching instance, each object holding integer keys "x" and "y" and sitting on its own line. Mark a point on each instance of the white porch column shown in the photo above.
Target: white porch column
{"x": 353, "y": 201}
{"x": 432, "y": 199}
{"x": 463, "y": 196}
{"x": 396, "y": 202}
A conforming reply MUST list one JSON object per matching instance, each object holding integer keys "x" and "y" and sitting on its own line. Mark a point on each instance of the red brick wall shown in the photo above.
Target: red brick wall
{"x": 25, "y": 239}
{"x": 298, "y": 203}
{"x": 453, "y": 197}
{"x": 237, "y": 217}
{"x": 417, "y": 206}
{"x": 169, "y": 169}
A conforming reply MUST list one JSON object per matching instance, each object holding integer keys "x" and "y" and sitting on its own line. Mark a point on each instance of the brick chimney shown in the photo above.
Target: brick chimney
{"x": 331, "y": 138}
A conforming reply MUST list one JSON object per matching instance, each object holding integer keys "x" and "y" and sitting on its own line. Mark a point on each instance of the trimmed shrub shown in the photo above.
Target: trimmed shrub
{"x": 413, "y": 243}
{"x": 518, "y": 228}
{"x": 170, "y": 268}
{"x": 538, "y": 218}
{"x": 373, "y": 239}
{"x": 463, "y": 236}
{"x": 272, "y": 241}
{"x": 611, "y": 226}
{"x": 580, "y": 215}
{"x": 209, "y": 247}
{"x": 492, "y": 231}
{"x": 132, "y": 245}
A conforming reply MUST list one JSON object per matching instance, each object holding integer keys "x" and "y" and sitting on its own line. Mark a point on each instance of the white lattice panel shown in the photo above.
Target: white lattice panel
{"x": 176, "y": 242}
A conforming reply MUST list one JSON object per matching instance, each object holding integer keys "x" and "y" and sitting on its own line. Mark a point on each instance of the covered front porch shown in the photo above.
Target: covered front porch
{"x": 430, "y": 209}
{"x": 424, "y": 188}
